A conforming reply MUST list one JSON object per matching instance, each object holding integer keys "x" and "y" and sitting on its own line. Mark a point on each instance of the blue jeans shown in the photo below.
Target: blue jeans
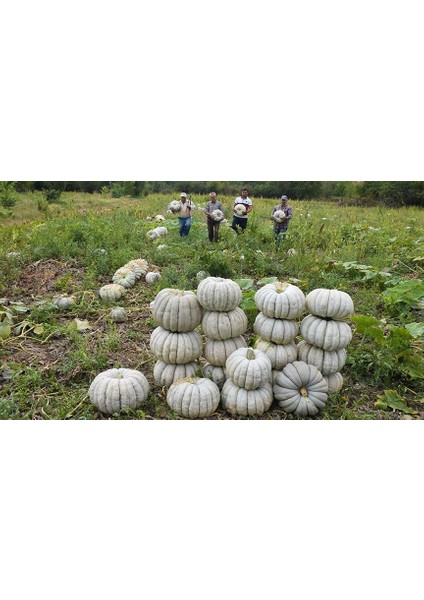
{"x": 237, "y": 223}
{"x": 279, "y": 236}
{"x": 185, "y": 224}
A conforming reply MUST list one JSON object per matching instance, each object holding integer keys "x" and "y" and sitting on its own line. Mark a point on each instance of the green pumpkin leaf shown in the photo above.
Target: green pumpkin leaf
{"x": 369, "y": 326}
{"x": 245, "y": 284}
{"x": 391, "y": 399}
{"x": 5, "y": 331}
{"x": 82, "y": 325}
{"x": 38, "y": 329}
{"x": 267, "y": 280}
{"x": 415, "y": 329}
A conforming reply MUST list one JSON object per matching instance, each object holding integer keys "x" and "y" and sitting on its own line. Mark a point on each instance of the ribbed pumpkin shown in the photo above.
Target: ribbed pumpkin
{"x": 124, "y": 276}
{"x": 116, "y": 389}
{"x": 118, "y": 314}
{"x": 217, "y": 351}
{"x": 221, "y": 325}
{"x": 279, "y": 331}
{"x": 136, "y": 269}
{"x": 175, "y": 348}
{"x": 217, "y": 293}
{"x": 326, "y": 361}
{"x": 328, "y": 334}
{"x": 193, "y": 397}
{"x": 238, "y": 401}
{"x": 334, "y": 382}
{"x": 217, "y": 374}
{"x": 279, "y": 354}
{"x": 329, "y": 303}
{"x": 166, "y": 374}
{"x": 248, "y": 368}
{"x": 177, "y": 310}
{"x": 65, "y": 302}
{"x": 111, "y": 292}
{"x": 139, "y": 262}
{"x": 300, "y": 389}
{"x": 153, "y": 277}
{"x": 280, "y": 300}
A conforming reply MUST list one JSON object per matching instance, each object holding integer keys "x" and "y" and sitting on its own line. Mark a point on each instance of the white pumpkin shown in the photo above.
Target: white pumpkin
{"x": 166, "y": 374}
{"x": 159, "y": 218}
{"x": 124, "y": 276}
{"x": 116, "y": 389}
{"x": 174, "y": 206}
{"x": 221, "y": 325}
{"x": 279, "y": 331}
{"x": 279, "y": 216}
{"x": 217, "y": 374}
{"x": 217, "y": 351}
{"x": 136, "y": 269}
{"x": 279, "y": 354}
{"x": 65, "y": 302}
{"x": 153, "y": 277}
{"x": 325, "y": 333}
{"x": 177, "y": 310}
{"x": 248, "y": 368}
{"x": 162, "y": 231}
{"x": 175, "y": 348}
{"x": 330, "y": 303}
{"x": 238, "y": 401}
{"x": 240, "y": 209}
{"x": 111, "y": 292}
{"x": 217, "y": 293}
{"x": 217, "y": 215}
{"x": 334, "y": 382}
{"x": 300, "y": 389}
{"x": 280, "y": 300}
{"x": 193, "y": 397}
{"x": 118, "y": 314}
{"x": 328, "y": 362}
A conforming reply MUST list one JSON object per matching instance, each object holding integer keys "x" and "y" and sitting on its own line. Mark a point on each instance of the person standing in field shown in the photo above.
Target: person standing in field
{"x": 213, "y": 224}
{"x": 184, "y": 216}
{"x": 281, "y": 216}
{"x": 240, "y": 218}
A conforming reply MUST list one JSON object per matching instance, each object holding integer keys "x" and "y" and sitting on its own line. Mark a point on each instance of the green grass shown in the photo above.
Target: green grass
{"x": 76, "y": 244}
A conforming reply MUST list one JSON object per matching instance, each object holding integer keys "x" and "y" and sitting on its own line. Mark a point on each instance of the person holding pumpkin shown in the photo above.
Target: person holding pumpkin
{"x": 184, "y": 216}
{"x": 281, "y": 216}
{"x": 213, "y": 219}
{"x": 242, "y": 206}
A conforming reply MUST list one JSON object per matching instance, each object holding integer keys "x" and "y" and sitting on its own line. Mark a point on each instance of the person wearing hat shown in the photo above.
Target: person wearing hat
{"x": 281, "y": 226}
{"x": 184, "y": 216}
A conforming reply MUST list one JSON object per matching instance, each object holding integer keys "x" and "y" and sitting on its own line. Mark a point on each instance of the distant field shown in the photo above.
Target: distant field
{"x": 75, "y": 245}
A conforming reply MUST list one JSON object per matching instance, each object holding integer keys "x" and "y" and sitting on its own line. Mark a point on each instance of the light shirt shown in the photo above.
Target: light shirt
{"x": 246, "y": 202}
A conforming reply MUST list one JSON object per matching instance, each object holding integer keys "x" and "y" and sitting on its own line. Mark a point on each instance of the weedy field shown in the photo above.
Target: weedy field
{"x": 49, "y": 356}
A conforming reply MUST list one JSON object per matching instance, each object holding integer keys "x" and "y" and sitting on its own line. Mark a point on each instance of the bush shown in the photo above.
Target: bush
{"x": 8, "y": 196}
{"x": 52, "y": 195}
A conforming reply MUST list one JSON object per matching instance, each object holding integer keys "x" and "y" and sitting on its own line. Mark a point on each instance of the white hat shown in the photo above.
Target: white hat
{"x": 183, "y": 195}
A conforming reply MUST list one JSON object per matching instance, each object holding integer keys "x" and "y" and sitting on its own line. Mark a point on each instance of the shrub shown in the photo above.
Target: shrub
{"x": 8, "y": 196}
{"x": 52, "y": 194}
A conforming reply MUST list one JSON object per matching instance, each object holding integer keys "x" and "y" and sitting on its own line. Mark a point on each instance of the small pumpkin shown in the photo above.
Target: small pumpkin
{"x": 334, "y": 382}
{"x": 280, "y": 300}
{"x": 124, "y": 276}
{"x": 136, "y": 269}
{"x": 116, "y": 389}
{"x": 217, "y": 351}
{"x": 118, "y": 314}
{"x": 279, "y": 331}
{"x": 217, "y": 215}
{"x": 175, "y": 348}
{"x": 65, "y": 302}
{"x": 248, "y": 368}
{"x": 239, "y": 401}
{"x": 279, "y": 354}
{"x": 330, "y": 303}
{"x": 217, "y": 293}
{"x": 193, "y": 397}
{"x": 217, "y": 374}
{"x": 221, "y": 325}
{"x": 153, "y": 277}
{"x": 141, "y": 263}
{"x": 177, "y": 310}
{"x": 328, "y": 334}
{"x": 300, "y": 389}
{"x": 326, "y": 361}
{"x": 159, "y": 218}
{"x": 111, "y": 292}
{"x": 166, "y": 374}
{"x": 174, "y": 206}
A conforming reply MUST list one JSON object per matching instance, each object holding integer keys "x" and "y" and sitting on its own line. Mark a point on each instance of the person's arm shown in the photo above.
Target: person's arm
{"x": 289, "y": 213}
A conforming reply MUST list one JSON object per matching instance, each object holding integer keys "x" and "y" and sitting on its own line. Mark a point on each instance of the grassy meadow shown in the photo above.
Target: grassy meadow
{"x": 48, "y": 357}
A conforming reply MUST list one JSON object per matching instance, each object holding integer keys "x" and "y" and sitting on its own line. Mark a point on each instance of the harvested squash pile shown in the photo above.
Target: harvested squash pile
{"x": 126, "y": 277}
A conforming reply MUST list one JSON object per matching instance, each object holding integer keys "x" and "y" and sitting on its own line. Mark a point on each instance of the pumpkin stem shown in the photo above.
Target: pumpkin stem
{"x": 250, "y": 354}
{"x": 281, "y": 286}
{"x": 304, "y": 392}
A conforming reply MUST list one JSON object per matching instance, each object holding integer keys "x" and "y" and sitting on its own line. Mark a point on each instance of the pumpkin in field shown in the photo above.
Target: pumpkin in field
{"x": 217, "y": 374}
{"x": 221, "y": 325}
{"x": 174, "y": 206}
{"x": 111, "y": 292}
{"x": 240, "y": 209}
{"x": 330, "y": 303}
{"x": 279, "y": 331}
{"x": 248, "y": 368}
{"x": 124, "y": 276}
{"x": 217, "y": 351}
{"x": 239, "y": 401}
{"x": 116, "y": 389}
{"x": 279, "y": 216}
{"x": 118, "y": 314}
{"x": 325, "y": 333}
{"x": 165, "y": 374}
{"x": 193, "y": 397}
{"x": 300, "y": 389}
{"x": 328, "y": 362}
{"x": 217, "y": 293}
{"x": 280, "y": 300}
{"x": 217, "y": 215}
{"x": 175, "y": 348}
{"x": 177, "y": 310}
{"x": 159, "y": 218}
{"x": 153, "y": 277}
{"x": 334, "y": 382}
{"x": 141, "y": 263}
{"x": 279, "y": 354}
{"x": 65, "y": 302}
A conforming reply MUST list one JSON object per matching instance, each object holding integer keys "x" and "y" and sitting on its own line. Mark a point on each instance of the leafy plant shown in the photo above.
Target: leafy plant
{"x": 403, "y": 297}
{"x": 8, "y": 197}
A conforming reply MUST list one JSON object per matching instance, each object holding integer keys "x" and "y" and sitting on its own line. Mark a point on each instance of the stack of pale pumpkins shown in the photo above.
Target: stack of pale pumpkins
{"x": 298, "y": 377}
